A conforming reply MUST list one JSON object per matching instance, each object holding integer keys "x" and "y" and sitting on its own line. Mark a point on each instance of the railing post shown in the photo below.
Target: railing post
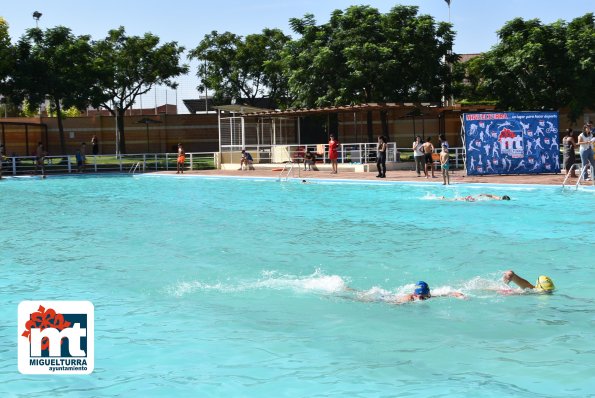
{"x": 95, "y": 162}
{"x": 120, "y": 159}
{"x": 68, "y": 164}
{"x": 144, "y": 162}
{"x": 14, "y": 166}
{"x": 156, "y": 164}
{"x": 191, "y": 161}
{"x": 166, "y": 162}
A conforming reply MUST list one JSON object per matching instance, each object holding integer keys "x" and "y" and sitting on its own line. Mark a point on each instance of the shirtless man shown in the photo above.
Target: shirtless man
{"x": 40, "y": 159}
{"x": 428, "y": 151}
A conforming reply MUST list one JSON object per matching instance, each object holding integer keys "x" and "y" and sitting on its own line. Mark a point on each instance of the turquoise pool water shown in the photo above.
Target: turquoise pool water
{"x": 225, "y": 287}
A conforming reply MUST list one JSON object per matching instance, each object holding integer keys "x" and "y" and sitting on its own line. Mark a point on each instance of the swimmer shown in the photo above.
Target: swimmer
{"x": 544, "y": 284}
{"x": 494, "y": 197}
{"x": 468, "y": 198}
{"x": 421, "y": 292}
{"x": 482, "y": 196}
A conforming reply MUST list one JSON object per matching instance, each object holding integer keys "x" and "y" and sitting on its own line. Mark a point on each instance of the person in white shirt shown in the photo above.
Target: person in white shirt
{"x": 585, "y": 142}
{"x": 418, "y": 155}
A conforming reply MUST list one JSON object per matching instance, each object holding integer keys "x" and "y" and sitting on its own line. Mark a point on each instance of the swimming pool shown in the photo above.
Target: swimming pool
{"x": 236, "y": 287}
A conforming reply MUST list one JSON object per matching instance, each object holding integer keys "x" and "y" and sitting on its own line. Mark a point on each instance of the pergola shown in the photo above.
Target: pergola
{"x": 241, "y": 125}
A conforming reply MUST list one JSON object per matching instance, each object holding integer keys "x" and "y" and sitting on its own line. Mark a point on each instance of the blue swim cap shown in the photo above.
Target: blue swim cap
{"x": 422, "y": 289}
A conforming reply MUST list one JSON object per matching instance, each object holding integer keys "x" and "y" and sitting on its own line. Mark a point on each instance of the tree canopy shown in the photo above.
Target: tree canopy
{"x": 57, "y": 65}
{"x": 129, "y": 66}
{"x": 361, "y": 55}
{"x": 536, "y": 66}
{"x": 6, "y": 58}
{"x": 237, "y": 67}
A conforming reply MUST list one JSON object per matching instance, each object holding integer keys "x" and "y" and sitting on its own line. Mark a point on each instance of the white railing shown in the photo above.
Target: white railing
{"x": 20, "y": 165}
{"x": 355, "y": 153}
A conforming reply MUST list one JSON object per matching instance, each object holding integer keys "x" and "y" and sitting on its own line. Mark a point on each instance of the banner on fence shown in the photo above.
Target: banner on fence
{"x": 511, "y": 143}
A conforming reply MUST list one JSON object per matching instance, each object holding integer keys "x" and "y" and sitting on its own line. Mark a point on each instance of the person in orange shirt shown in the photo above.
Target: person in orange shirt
{"x": 181, "y": 159}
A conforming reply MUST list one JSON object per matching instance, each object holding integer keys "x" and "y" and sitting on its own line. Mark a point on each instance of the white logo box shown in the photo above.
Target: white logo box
{"x": 29, "y": 353}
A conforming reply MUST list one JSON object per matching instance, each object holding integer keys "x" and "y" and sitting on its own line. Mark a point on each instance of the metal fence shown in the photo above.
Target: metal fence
{"x": 355, "y": 153}
{"x": 144, "y": 162}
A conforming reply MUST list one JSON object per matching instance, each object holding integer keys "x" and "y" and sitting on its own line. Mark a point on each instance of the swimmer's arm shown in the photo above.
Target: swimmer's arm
{"x": 403, "y": 299}
{"x": 510, "y": 276}
{"x": 451, "y": 294}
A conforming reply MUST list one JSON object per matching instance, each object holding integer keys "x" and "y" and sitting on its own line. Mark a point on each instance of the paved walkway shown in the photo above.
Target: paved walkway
{"x": 398, "y": 175}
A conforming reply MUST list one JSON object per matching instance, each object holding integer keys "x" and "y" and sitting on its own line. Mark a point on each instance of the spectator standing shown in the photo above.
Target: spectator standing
{"x": 418, "y": 156}
{"x": 333, "y": 153}
{"x": 569, "y": 146}
{"x": 381, "y": 157}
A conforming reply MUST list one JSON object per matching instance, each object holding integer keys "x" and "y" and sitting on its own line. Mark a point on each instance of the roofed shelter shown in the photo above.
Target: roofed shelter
{"x": 401, "y": 122}
{"x": 21, "y": 138}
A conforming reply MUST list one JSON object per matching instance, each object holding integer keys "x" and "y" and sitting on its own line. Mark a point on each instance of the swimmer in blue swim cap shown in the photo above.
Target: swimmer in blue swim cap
{"x": 422, "y": 292}
{"x": 544, "y": 284}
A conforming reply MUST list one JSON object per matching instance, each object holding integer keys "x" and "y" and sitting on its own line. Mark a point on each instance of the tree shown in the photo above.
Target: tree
{"x": 129, "y": 66}
{"x": 6, "y": 58}
{"x": 580, "y": 47}
{"x": 361, "y": 55}
{"x": 237, "y": 67}
{"x": 54, "y": 64}
{"x": 536, "y": 66}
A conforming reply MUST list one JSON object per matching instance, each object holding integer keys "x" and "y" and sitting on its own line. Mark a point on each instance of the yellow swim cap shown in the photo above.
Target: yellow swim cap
{"x": 545, "y": 284}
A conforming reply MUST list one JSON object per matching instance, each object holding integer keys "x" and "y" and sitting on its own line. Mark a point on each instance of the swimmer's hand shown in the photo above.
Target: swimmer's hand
{"x": 458, "y": 295}
{"x": 507, "y": 276}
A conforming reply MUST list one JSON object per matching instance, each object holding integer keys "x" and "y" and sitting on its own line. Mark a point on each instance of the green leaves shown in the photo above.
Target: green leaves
{"x": 361, "y": 55}
{"x": 536, "y": 66}
{"x": 237, "y": 67}
{"x": 128, "y": 66}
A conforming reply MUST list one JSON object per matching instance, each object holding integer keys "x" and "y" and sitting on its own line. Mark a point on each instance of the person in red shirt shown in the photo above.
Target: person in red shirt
{"x": 333, "y": 153}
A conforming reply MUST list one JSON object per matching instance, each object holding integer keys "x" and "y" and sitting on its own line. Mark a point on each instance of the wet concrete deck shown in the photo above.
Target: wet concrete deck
{"x": 456, "y": 177}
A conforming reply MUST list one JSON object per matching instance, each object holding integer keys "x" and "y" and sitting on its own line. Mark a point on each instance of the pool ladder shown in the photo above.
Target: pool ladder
{"x": 288, "y": 170}
{"x": 583, "y": 172}
{"x": 134, "y": 168}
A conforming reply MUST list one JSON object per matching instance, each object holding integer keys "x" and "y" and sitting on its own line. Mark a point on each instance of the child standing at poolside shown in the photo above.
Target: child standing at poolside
{"x": 181, "y": 159}
{"x": 444, "y": 165}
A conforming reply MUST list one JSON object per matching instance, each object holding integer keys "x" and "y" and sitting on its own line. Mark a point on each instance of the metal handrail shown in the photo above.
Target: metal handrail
{"x": 582, "y": 175}
{"x": 568, "y": 173}
{"x": 288, "y": 166}
{"x": 134, "y": 168}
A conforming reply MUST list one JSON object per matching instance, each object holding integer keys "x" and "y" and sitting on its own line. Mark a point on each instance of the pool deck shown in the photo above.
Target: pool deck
{"x": 458, "y": 177}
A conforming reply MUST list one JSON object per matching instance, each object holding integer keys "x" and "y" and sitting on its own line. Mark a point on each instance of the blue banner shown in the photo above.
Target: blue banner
{"x": 512, "y": 143}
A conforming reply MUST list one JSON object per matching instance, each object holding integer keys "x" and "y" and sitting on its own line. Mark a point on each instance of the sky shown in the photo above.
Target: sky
{"x": 187, "y": 21}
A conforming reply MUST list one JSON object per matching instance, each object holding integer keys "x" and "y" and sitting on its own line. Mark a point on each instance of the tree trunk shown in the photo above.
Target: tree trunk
{"x": 120, "y": 129}
{"x": 370, "y": 124}
{"x": 60, "y": 127}
{"x": 384, "y": 121}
